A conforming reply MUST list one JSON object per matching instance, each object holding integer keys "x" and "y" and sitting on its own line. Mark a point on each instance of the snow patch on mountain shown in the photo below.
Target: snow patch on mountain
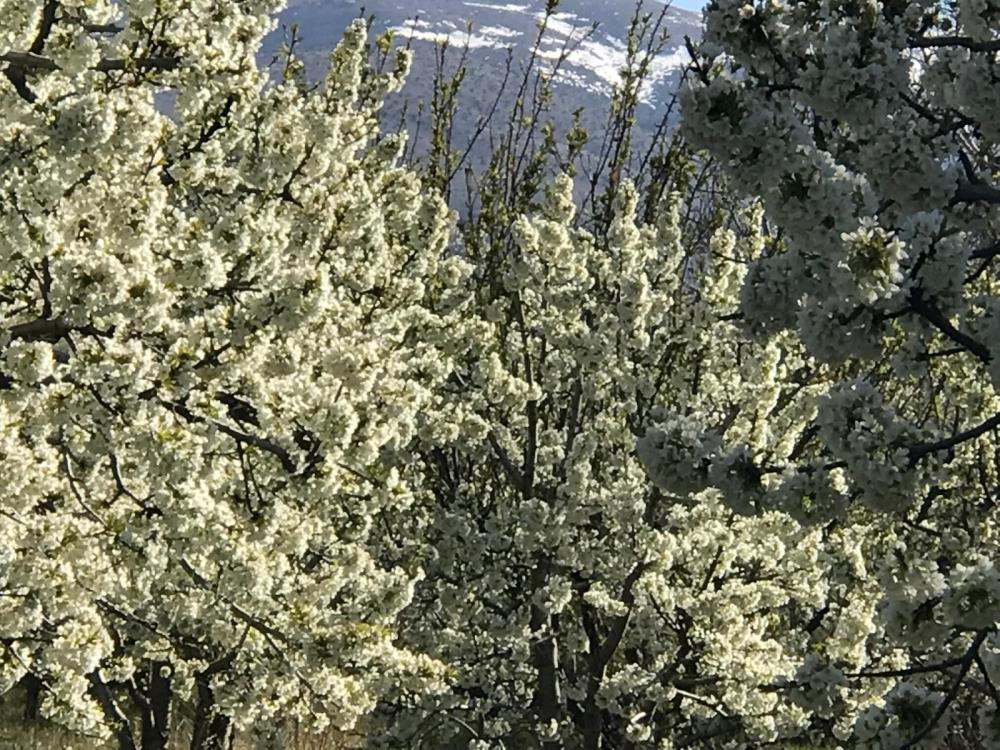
{"x": 490, "y": 37}
{"x": 605, "y": 62}
{"x": 509, "y": 8}
{"x": 603, "y": 56}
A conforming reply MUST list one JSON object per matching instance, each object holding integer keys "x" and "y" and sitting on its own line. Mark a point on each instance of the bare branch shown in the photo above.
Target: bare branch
{"x": 919, "y": 451}
{"x": 933, "y": 315}
{"x": 955, "y": 41}
{"x": 513, "y": 474}
{"x": 31, "y": 61}
{"x": 42, "y": 329}
{"x": 969, "y": 192}
{"x": 966, "y": 664}
{"x": 263, "y": 443}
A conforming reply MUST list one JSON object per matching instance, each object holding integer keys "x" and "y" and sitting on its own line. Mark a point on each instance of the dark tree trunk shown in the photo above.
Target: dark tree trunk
{"x": 156, "y": 708}
{"x": 545, "y": 657}
{"x": 32, "y": 696}
{"x": 123, "y": 729}
{"x": 592, "y": 721}
{"x": 212, "y": 730}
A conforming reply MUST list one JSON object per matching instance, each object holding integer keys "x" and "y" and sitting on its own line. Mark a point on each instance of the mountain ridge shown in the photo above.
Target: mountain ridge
{"x": 591, "y": 33}
{"x": 595, "y": 30}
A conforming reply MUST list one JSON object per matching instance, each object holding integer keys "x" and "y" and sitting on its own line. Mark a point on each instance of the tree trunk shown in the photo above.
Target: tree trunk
{"x": 545, "y": 656}
{"x": 156, "y": 711}
{"x": 123, "y": 729}
{"x": 592, "y": 722}
{"x": 32, "y": 696}
{"x": 212, "y": 730}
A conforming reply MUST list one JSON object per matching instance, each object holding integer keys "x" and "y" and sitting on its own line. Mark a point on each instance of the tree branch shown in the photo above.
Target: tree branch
{"x": 41, "y": 329}
{"x": 917, "y": 452}
{"x": 249, "y": 619}
{"x": 31, "y": 61}
{"x": 969, "y": 192}
{"x": 263, "y": 443}
{"x": 966, "y": 663}
{"x": 930, "y": 312}
{"x": 955, "y": 41}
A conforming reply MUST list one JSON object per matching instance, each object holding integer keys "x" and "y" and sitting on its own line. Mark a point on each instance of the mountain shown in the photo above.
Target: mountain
{"x": 593, "y": 32}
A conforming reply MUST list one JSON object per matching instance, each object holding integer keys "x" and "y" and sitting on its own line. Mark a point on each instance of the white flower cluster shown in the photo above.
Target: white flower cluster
{"x": 973, "y": 594}
{"x": 873, "y": 260}
{"x": 819, "y": 687}
{"x": 677, "y": 453}
{"x": 858, "y": 429}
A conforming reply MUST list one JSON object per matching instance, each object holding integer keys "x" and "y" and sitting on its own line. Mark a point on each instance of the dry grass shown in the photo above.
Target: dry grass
{"x": 41, "y": 736}
{"x": 17, "y": 733}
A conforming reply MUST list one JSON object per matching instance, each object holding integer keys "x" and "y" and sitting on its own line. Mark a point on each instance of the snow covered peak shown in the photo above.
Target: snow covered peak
{"x": 588, "y": 34}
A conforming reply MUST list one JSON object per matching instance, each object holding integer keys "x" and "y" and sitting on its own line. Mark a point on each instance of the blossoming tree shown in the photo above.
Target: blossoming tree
{"x": 870, "y": 131}
{"x": 219, "y": 306}
{"x": 578, "y": 605}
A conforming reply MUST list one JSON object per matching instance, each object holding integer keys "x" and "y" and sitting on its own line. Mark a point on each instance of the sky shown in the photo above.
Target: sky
{"x": 689, "y": 4}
